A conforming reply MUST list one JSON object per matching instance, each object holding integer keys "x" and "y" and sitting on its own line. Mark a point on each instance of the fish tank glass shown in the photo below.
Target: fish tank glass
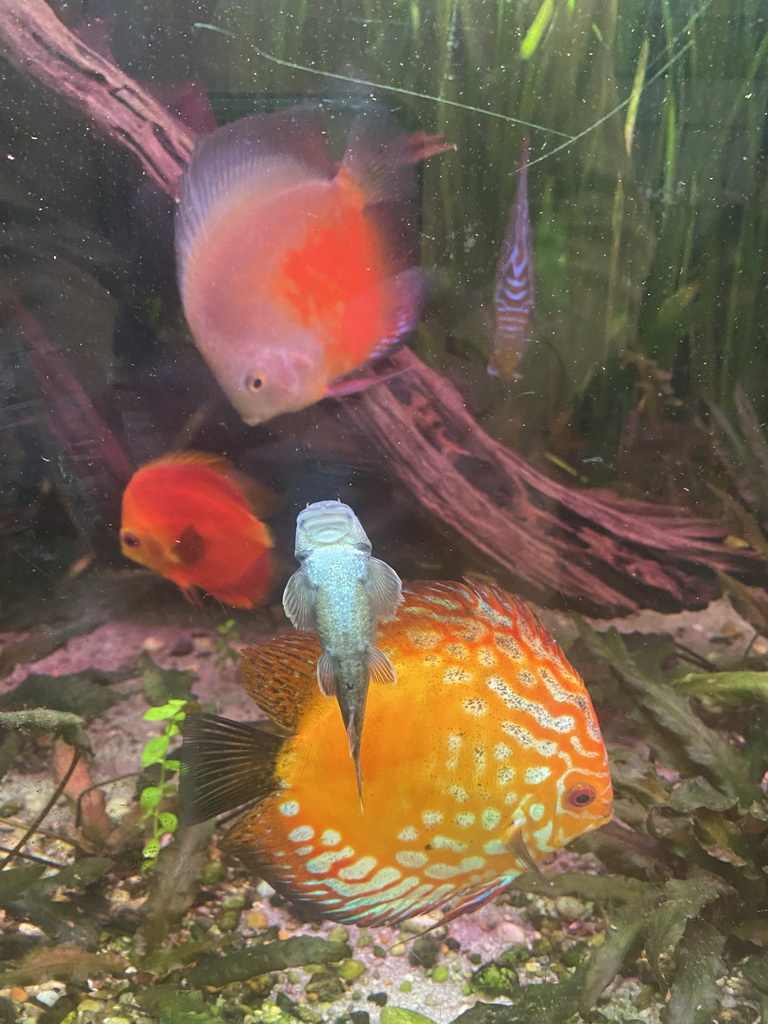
{"x": 383, "y": 511}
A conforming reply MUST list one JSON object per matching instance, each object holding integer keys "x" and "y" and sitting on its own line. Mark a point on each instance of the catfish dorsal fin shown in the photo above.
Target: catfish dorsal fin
{"x": 281, "y": 676}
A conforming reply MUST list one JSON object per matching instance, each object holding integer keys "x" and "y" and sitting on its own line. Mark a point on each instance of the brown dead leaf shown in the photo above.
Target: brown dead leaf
{"x": 65, "y": 962}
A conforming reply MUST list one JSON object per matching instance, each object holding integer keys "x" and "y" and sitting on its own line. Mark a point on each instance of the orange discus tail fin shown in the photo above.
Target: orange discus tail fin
{"x": 224, "y": 764}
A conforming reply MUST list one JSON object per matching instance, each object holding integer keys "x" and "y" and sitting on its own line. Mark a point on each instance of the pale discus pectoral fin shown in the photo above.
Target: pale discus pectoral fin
{"x": 327, "y": 673}
{"x": 380, "y": 668}
{"x": 384, "y": 589}
{"x": 299, "y": 601}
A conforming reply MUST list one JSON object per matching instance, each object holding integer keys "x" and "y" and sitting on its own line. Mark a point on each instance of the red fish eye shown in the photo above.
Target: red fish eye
{"x": 130, "y": 540}
{"x": 581, "y": 796}
{"x": 254, "y": 382}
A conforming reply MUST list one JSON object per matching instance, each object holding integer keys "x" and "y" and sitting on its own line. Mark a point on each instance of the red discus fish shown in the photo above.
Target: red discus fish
{"x": 482, "y": 759}
{"x": 190, "y": 517}
{"x": 287, "y": 279}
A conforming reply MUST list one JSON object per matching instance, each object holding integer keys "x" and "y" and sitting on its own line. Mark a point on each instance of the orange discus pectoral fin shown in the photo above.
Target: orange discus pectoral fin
{"x": 190, "y": 547}
{"x": 384, "y": 589}
{"x": 192, "y": 595}
{"x": 514, "y": 842}
{"x": 224, "y": 764}
{"x": 299, "y": 601}
{"x": 380, "y": 668}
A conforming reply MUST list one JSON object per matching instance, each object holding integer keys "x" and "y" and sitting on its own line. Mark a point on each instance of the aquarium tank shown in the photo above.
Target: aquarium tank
{"x": 384, "y": 511}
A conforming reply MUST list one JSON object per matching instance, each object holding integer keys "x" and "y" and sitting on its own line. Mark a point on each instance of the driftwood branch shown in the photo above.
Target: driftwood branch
{"x": 34, "y": 40}
{"x": 588, "y": 548}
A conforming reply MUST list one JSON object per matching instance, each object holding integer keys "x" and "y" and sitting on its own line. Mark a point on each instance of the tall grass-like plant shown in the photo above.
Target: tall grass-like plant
{"x": 647, "y": 121}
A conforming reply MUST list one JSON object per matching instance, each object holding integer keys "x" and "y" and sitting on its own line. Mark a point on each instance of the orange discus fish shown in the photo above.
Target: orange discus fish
{"x": 190, "y": 517}
{"x": 482, "y": 759}
{"x": 288, "y": 277}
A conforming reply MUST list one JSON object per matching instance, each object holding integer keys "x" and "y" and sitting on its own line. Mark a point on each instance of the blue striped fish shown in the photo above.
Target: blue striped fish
{"x": 513, "y": 293}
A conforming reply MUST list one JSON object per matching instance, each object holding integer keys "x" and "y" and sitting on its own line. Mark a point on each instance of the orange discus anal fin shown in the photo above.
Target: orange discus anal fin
{"x": 280, "y": 676}
{"x": 224, "y": 764}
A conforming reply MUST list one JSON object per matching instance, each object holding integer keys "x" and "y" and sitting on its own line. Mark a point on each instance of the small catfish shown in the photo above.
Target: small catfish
{"x": 513, "y": 291}
{"x": 341, "y": 593}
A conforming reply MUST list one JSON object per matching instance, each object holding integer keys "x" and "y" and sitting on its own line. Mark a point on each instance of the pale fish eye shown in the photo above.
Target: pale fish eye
{"x": 254, "y": 382}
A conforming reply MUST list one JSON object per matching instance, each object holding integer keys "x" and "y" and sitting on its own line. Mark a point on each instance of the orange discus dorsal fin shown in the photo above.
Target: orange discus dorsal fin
{"x": 281, "y": 676}
{"x": 263, "y": 502}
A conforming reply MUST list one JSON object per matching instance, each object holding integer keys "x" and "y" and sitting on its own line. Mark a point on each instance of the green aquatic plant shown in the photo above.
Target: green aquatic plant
{"x": 225, "y": 650}
{"x": 153, "y": 799}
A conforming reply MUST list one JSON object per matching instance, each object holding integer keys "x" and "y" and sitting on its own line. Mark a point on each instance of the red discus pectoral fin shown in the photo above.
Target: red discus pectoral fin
{"x": 384, "y": 589}
{"x": 192, "y": 595}
{"x": 299, "y": 601}
{"x": 401, "y": 300}
{"x": 190, "y": 547}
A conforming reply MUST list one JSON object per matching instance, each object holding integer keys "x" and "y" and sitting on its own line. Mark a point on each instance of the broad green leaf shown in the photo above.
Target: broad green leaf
{"x": 272, "y": 956}
{"x": 150, "y": 797}
{"x": 727, "y": 687}
{"x": 14, "y": 881}
{"x": 707, "y": 748}
{"x": 623, "y": 934}
{"x": 397, "y": 1015}
{"x": 154, "y": 751}
{"x": 160, "y": 686}
{"x": 167, "y": 821}
{"x": 694, "y": 996}
{"x": 595, "y": 888}
{"x": 691, "y": 794}
{"x": 682, "y": 899}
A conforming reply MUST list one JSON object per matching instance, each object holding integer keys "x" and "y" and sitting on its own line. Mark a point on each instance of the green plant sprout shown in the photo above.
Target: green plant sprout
{"x": 155, "y": 752}
{"x": 224, "y": 647}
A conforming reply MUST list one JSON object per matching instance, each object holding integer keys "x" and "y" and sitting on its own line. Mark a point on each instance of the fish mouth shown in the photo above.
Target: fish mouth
{"x": 327, "y": 522}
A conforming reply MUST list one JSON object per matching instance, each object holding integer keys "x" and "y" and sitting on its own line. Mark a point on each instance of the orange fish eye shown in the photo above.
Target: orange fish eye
{"x": 255, "y": 382}
{"x": 130, "y": 540}
{"x": 581, "y": 796}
